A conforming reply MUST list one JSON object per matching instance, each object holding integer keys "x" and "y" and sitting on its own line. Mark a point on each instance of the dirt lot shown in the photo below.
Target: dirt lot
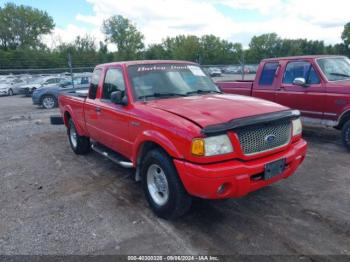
{"x": 54, "y": 202}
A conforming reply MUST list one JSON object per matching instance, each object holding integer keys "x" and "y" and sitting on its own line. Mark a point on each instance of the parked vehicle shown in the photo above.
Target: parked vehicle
{"x": 319, "y": 86}
{"x": 233, "y": 70}
{"x": 184, "y": 137}
{"x": 4, "y": 89}
{"x": 214, "y": 71}
{"x": 47, "y": 96}
{"x": 35, "y": 83}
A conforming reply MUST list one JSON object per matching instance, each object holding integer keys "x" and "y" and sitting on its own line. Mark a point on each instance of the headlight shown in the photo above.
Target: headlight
{"x": 297, "y": 127}
{"x": 210, "y": 146}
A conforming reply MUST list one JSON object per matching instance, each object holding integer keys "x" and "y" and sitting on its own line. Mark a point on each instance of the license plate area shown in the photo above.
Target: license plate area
{"x": 274, "y": 168}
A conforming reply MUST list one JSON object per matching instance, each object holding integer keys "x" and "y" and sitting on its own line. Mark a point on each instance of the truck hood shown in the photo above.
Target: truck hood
{"x": 215, "y": 108}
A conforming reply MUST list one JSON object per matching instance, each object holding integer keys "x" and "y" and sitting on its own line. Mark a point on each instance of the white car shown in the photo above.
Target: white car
{"x": 214, "y": 71}
{"x": 11, "y": 86}
{"x": 4, "y": 89}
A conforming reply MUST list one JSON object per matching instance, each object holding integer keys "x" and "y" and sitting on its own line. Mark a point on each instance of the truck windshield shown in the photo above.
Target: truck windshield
{"x": 169, "y": 80}
{"x": 335, "y": 68}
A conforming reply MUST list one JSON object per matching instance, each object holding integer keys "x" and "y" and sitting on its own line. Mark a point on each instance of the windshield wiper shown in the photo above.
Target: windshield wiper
{"x": 200, "y": 91}
{"x": 339, "y": 74}
{"x": 160, "y": 95}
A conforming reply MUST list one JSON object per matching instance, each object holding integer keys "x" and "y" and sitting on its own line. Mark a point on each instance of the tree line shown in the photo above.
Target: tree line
{"x": 21, "y": 45}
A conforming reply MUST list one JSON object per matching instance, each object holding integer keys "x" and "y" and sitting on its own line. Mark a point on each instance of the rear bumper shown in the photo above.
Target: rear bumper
{"x": 239, "y": 177}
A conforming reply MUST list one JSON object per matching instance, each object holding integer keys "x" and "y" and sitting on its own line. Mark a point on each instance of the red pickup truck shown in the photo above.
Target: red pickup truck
{"x": 318, "y": 86}
{"x": 183, "y": 137}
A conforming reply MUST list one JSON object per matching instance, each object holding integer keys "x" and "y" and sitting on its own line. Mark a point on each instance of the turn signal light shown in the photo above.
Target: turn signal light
{"x": 197, "y": 147}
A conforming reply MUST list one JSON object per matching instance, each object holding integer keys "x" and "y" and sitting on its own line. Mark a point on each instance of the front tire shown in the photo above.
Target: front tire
{"x": 49, "y": 102}
{"x": 79, "y": 144}
{"x": 163, "y": 189}
{"x": 346, "y": 135}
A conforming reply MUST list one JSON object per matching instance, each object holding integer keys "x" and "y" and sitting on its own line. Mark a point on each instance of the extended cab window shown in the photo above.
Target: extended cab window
{"x": 114, "y": 81}
{"x": 300, "y": 69}
{"x": 94, "y": 83}
{"x": 268, "y": 74}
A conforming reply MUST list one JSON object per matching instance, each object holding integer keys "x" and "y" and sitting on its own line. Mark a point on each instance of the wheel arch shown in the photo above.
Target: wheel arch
{"x": 345, "y": 116}
{"x": 69, "y": 114}
{"x": 150, "y": 141}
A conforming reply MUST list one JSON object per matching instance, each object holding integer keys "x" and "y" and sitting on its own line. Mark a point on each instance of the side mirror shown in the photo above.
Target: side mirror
{"x": 299, "y": 81}
{"x": 118, "y": 98}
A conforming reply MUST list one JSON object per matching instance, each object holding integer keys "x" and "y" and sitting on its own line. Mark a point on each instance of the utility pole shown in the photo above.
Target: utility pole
{"x": 242, "y": 62}
{"x": 70, "y": 67}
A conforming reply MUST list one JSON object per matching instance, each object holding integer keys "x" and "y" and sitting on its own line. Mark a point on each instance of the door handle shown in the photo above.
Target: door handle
{"x": 280, "y": 88}
{"x": 98, "y": 109}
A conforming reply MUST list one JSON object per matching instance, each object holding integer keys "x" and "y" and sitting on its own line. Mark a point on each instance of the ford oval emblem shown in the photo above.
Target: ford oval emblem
{"x": 270, "y": 138}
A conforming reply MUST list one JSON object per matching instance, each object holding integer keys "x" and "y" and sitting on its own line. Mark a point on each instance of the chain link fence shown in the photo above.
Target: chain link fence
{"x": 231, "y": 72}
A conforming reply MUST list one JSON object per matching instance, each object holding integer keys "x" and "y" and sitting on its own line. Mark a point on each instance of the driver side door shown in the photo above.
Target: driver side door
{"x": 114, "y": 118}
{"x": 309, "y": 99}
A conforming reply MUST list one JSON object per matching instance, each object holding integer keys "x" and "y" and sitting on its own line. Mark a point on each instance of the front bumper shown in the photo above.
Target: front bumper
{"x": 239, "y": 177}
{"x": 36, "y": 99}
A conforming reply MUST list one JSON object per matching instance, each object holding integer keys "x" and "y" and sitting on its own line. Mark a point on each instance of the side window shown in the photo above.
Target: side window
{"x": 268, "y": 74}
{"x": 300, "y": 69}
{"x": 84, "y": 80}
{"x": 77, "y": 80}
{"x": 94, "y": 83}
{"x": 313, "y": 77}
{"x": 114, "y": 81}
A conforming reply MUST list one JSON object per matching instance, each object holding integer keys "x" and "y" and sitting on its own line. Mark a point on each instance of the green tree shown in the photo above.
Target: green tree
{"x": 217, "y": 51}
{"x": 345, "y": 36}
{"x": 264, "y": 46}
{"x": 183, "y": 47}
{"x": 22, "y": 26}
{"x": 121, "y": 32}
{"x": 156, "y": 51}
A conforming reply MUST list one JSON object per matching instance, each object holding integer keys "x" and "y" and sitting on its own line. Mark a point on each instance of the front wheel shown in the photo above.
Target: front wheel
{"x": 49, "y": 102}
{"x": 79, "y": 144}
{"x": 346, "y": 134}
{"x": 163, "y": 189}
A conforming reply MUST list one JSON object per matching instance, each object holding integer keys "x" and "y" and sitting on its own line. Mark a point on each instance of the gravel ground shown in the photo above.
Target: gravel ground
{"x": 54, "y": 202}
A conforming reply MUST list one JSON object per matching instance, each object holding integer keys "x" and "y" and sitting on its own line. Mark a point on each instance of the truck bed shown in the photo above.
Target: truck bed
{"x": 242, "y": 87}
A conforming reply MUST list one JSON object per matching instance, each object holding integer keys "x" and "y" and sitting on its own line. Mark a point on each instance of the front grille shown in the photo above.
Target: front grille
{"x": 264, "y": 137}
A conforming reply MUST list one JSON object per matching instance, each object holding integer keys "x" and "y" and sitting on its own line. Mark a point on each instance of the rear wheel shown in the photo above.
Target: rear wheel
{"x": 79, "y": 144}
{"x": 163, "y": 189}
{"x": 49, "y": 102}
{"x": 346, "y": 134}
{"x": 10, "y": 92}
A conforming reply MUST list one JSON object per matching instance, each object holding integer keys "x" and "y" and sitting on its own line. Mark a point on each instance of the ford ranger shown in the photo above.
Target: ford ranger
{"x": 318, "y": 86}
{"x": 183, "y": 137}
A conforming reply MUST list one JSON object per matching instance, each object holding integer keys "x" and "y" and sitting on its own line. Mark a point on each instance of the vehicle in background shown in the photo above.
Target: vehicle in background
{"x": 253, "y": 69}
{"x": 232, "y": 70}
{"x": 183, "y": 136}
{"x": 4, "y": 88}
{"x": 35, "y": 83}
{"x": 214, "y": 71}
{"x": 11, "y": 86}
{"x": 47, "y": 96}
{"x": 318, "y": 86}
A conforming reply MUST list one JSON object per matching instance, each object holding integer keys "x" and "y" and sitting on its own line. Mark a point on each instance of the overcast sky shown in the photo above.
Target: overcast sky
{"x": 233, "y": 20}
